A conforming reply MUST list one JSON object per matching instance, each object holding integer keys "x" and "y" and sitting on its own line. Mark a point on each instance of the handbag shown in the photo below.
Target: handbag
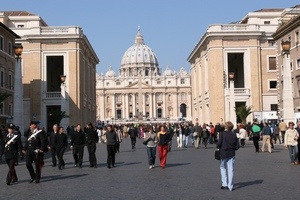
{"x": 195, "y": 134}
{"x": 217, "y": 154}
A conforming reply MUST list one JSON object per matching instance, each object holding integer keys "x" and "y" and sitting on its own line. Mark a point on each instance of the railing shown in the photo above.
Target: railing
{"x": 238, "y": 91}
{"x": 53, "y": 95}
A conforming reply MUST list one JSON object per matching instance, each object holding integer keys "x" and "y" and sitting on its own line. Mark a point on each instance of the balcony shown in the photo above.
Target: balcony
{"x": 53, "y": 95}
{"x": 238, "y": 92}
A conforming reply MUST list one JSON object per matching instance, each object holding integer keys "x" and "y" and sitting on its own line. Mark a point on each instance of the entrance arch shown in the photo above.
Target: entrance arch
{"x": 183, "y": 109}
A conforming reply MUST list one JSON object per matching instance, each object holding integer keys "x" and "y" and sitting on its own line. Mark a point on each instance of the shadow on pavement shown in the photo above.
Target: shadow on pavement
{"x": 245, "y": 184}
{"x": 176, "y": 164}
{"x": 58, "y": 177}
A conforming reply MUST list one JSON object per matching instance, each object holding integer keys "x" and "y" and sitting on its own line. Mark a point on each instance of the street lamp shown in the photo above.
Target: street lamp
{"x": 287, "y": 98}
{"x": 18, "y": 89}
{"x": 63, "y": 97}
{"x": 232, "y": 114}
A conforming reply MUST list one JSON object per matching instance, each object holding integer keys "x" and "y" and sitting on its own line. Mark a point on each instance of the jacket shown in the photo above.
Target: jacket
{"x": 228, "y": 143}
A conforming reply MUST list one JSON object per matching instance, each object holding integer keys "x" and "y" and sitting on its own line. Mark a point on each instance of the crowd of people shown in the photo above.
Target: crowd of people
{"x": 156, "y": 137}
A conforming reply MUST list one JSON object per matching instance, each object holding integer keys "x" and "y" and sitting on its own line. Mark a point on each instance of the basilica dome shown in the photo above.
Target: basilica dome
{"x": 139, "y": 55}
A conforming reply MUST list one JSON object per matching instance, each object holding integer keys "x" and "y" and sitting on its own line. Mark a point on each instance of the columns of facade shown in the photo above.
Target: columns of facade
{"x": 154, "y": 105}
{"x": 164, "y": 115}
{"x": 176, "y": 107}
{"x": 123, "y": 105}
{"x": 133, "y": 104}
{"x": 102, "y": 107}
{"x": 151, "y": 105}
{"x": 144, "y": 104}
{"x": 113, "y": 107}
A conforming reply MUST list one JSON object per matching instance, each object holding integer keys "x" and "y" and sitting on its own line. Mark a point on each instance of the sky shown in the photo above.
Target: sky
{"x": 171, "y": 28}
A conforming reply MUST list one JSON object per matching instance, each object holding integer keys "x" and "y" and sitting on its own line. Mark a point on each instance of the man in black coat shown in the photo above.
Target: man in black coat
{"x": 111, "y": 140}
{"x": 91, "y": 141}
{"x": 11, "y": 146}
{"x": 33, "y": 151}
{"x": 52, "y": 145}
{"x": 77, "y": 145}
{"x": 61, "y": 143}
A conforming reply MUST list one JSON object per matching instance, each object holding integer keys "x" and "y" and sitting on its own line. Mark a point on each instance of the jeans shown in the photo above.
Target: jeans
{"x": 226, "y": 168}
{"x": 151, "y": 151}
{"x": 293, "y": 151}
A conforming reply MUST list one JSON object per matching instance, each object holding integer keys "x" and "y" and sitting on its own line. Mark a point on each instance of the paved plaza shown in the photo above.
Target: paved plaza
{"x": 190, "y": 174}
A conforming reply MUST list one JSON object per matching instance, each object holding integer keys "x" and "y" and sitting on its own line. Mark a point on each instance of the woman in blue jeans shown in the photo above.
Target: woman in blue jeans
{"x": 151, "y": 139}
{"x": 228, "y": 143}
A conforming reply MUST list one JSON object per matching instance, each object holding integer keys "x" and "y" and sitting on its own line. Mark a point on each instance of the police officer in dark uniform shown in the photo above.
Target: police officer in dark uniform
{"x": 77, "y": 145}
{"x": 91, "y": 140}
{"x": 33, "y": 150}
{"x": 11, "y": 147}
{"x": 61, "y": 143}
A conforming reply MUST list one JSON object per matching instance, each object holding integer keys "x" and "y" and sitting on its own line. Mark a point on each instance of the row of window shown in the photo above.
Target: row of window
{"x": 159, "y": 97}
{"x": 158, "y": 82}
{"x": 2, "y": 106}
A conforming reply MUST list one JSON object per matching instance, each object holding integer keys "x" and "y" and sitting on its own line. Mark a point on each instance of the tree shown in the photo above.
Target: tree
{"x": 57, "y": 115}
{"x": 243, "y": 112}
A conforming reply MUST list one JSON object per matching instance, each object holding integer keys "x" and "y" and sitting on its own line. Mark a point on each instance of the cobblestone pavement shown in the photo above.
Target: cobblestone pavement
{"x": 190, "y": 174}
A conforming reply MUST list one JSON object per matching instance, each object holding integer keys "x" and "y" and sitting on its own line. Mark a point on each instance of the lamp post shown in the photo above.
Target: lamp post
{"x": 63, "y": 98}
{"x": 287, "y": 98}
{"x": 18, "y": 89}
{"x": 232, "y": 114}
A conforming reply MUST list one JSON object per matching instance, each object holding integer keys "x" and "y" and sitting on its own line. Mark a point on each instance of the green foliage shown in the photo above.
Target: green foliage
{"x": 243, "y": 112}
{"x": 57, "y": 115}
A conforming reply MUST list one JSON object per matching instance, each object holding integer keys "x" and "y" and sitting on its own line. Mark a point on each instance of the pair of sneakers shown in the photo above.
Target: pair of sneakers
{"x": 151, "y": 166}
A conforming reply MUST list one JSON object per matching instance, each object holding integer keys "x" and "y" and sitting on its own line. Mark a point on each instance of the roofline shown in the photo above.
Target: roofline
{"x": 9, "y": 30}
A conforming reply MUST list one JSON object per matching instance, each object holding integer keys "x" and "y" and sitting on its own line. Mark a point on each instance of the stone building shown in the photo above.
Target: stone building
{"x": 58, "y": 70}
{"x": 7, "y": 67}
{"x": 141, "y": 91}
{"x": 288, "y": 65}
{"x": 245, "y": 48}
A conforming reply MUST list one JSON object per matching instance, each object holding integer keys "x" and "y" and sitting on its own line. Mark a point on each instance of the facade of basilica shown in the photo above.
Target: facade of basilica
{"x": 141, "y": 91}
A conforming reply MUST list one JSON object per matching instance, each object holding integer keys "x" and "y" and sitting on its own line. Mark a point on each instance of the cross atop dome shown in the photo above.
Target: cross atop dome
{"x": 139, "y": 38}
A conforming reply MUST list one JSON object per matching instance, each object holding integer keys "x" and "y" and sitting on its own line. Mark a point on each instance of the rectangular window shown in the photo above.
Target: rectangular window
{"x": 272, "y": 63}
{"x": 297, "y": 38}
{"x": 10, "y": 49}
{"x": 298, "y": 84}
{"x": 169, "y": 82}
{"x": 118, "y": 83}
{"x": 107, "y": 83}
{"x": 298, "y": 63}
{"x": 267, "y": 22}
{"x": 272, "y": 85}
{"x": 21, "y": 26}
{"x": 2, "y": 108}
{"x": 158, "y": 82}
{"x": 271, "y": 43}
{"x": 10, "y": 83}
{"x": 10, "y": 110}
{"x": 182, "y": 81}
{"x": 1, "y": 43}
{"x": 273, "y": 107}
{"x": 1, "y": 78}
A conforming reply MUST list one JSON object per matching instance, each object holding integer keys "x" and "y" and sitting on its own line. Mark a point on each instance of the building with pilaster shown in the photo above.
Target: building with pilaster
{"x": 58, "y": 70}
{"x": 245, "y": 48}
{"x": 141, "y": 91}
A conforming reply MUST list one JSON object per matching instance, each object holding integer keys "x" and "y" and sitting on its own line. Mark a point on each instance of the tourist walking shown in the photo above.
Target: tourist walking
{"x": 197, "y": 135}
{"x": 91, "y": 140}
{"x": 111, "y": 140}
{"x": 291, "y": 142}
{"x": 242, "y": 134}
{"x": 61, "y": 143}
{"x": 266, "y": 136}
{"x": 151, "y": 140}
{"x": 163, "y": 140}
{"x": 255, "y": 131}
{"x": 205, "y": 134}
{"x": 77, "y": 145}
{"x": 228, "y": 143}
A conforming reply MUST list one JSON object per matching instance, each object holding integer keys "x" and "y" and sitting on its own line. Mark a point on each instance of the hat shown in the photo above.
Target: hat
{"x": 11, "y": 126}
{"x": 33, "y": 122}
